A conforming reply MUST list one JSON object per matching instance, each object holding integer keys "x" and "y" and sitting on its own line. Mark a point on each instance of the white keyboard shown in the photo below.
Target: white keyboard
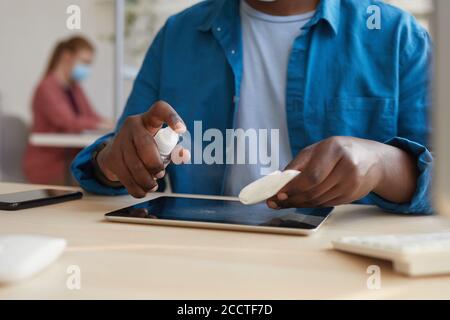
{"x": 413, "y": 255}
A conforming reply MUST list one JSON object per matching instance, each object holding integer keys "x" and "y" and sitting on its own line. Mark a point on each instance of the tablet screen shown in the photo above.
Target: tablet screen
{"x": 222, "y": 211}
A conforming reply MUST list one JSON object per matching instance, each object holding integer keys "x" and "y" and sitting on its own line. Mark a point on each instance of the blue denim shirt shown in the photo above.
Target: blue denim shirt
{"x": 344, "y": 78}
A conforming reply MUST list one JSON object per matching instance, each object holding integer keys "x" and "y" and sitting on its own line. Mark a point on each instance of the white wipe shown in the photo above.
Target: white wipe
{"x": 266, "y": 187}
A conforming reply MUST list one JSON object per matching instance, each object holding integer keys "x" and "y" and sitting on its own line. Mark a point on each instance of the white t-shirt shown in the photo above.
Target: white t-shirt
{"x": 267, "y": 45}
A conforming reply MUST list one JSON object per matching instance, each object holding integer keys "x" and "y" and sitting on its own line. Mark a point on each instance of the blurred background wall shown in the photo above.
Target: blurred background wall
{"x": 29, "y": 29}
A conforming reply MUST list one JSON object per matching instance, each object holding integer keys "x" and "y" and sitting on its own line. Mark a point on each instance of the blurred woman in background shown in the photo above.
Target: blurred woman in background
{"x": 60, "y": 106}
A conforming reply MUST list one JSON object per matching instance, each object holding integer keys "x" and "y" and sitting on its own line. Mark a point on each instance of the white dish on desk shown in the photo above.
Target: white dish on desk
{"x": 22, "y": 256}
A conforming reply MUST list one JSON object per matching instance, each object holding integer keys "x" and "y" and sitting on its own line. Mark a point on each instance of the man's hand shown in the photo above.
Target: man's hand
{"x": 132, "y": 157}
{"x": 341, "y": 170}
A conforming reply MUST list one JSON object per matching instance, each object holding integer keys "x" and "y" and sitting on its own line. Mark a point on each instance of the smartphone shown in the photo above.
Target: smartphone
{"x": 36, "y": 198}
{"x": 222, "y": 214}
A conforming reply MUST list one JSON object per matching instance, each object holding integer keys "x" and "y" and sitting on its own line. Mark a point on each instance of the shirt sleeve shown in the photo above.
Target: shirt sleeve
{"x": 420, "y": 203}
{"x": 413, "y": 120}
{"x": 84, "y": 171}
{"x": 144, "y": 94}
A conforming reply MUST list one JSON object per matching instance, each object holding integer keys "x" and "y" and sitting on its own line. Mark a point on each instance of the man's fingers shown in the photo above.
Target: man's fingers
{"x": 127, "y": 180}
{"x": 334, "y": 193}
{"x": 299, "y": 201}
{"x": 323, "y": 159}
{"x": 340, "y": 200}
{"x": 137, "y": 169}
{"x": 147, "y": 151}
{"x": 161, "y": 112}
{"x": 291, "y": 190}
{"x": 335, "y": 190}
{"x": 301, "y": 160}
{"x": 104, "y": 166}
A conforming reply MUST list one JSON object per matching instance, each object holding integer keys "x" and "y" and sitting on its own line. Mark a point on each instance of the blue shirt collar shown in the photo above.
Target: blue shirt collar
{"x": 228, "y": 10}
{"x": 329, "y": 11}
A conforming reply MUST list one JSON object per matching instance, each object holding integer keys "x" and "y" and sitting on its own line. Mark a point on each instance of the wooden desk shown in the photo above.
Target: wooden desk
{"x": 140, "y": 261}
{"x": 60, "y": 140}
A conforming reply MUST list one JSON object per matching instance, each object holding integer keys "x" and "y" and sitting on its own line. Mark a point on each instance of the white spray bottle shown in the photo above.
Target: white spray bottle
{"x": 166, "y": 139}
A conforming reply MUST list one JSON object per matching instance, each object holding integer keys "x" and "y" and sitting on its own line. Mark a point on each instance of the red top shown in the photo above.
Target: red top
{"x": 54, "y": 112}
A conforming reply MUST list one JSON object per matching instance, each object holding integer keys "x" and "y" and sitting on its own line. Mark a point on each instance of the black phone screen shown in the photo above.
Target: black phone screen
{"x": 33, "y": 198}
{"x": 223, "y": 211}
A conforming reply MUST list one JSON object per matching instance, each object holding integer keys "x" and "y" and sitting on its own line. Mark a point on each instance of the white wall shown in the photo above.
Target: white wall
{"x": 422, "y": 9}
{"x": 29, "y": 30}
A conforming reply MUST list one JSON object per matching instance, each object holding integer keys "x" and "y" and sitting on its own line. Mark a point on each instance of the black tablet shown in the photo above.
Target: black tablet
{"x": 221, "y": 214}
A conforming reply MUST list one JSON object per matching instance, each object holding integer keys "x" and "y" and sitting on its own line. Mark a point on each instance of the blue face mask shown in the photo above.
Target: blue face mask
{"x": 81, "y": 72}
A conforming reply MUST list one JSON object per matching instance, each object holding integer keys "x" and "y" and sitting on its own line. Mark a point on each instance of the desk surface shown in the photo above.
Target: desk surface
{"x": 141, "y": 261}
{"x": 61, "y": 140}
